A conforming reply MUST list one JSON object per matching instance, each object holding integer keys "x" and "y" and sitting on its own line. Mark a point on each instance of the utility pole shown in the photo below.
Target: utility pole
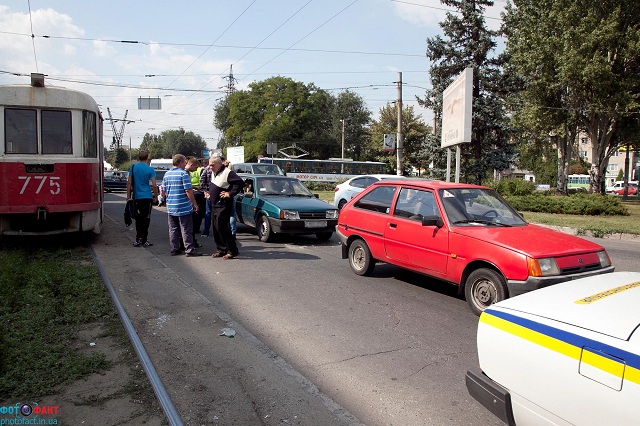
{"x": 342, "y": 138}
{"x": 400, "y": 144}
{"x": 117, "y": 134}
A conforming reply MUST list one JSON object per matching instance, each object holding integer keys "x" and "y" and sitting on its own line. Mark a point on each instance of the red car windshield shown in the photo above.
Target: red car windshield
{"x": 478, "y": 206}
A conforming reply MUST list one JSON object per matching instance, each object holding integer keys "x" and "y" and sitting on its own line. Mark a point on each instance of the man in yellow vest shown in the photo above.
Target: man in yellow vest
{"x": 195, "y": 169}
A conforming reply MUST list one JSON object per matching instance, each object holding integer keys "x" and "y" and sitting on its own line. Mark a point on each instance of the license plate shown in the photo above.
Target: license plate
{"x": 315, "y": 223}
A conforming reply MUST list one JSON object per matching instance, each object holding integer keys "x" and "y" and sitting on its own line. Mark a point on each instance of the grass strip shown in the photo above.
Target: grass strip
{"x": 46, "y": 295}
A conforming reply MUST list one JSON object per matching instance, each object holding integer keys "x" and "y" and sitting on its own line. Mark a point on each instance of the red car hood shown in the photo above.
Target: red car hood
{"x": 531, "y": 240}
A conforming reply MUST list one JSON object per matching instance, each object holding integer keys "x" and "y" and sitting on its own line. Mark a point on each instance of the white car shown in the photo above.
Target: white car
{"x": 350, "y": 188}
{"x": 568, "y": 354}
{"x": 618, "y": 186}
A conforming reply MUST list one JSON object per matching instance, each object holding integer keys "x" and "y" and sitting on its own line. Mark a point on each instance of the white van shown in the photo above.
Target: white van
{"x": 619, "y": 185}
{"x": 162, "y": 163}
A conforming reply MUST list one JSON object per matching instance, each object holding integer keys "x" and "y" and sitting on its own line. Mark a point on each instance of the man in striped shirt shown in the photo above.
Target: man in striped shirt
{"x": 181, "y": 203}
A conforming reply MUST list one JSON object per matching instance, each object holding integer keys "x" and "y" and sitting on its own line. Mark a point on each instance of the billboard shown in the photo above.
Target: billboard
{"x": 235, "y": 154}
{"x": 457, "y": 101}
{"x": 389, "y": 142}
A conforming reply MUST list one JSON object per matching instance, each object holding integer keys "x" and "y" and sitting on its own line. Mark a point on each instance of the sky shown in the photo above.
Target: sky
{"x": 182, "y": 52}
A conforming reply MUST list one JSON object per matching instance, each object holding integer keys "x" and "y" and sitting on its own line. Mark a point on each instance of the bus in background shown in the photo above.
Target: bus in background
{"x": 327, "y": 171}
{"x": 51, "y": 160}
{"x": 578, "y": 182}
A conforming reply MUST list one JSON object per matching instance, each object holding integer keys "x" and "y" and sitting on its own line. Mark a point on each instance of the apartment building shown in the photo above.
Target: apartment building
{"x": 584, "y": 150}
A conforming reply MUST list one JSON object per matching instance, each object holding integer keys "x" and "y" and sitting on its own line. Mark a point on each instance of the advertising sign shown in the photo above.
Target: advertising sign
{"x": 457, "y": 101}
{"x": 389, "y": 142}
{"x": 235, "y": 154}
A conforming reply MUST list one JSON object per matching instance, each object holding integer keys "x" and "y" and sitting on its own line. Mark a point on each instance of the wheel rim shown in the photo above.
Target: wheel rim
{"x": 358, "y": 258}
{"x": 484, "y": 293}
{"x": 262, "y": 229}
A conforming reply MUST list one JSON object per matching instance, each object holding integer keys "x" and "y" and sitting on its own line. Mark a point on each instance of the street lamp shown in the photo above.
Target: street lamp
{"x": 342, "y": 120}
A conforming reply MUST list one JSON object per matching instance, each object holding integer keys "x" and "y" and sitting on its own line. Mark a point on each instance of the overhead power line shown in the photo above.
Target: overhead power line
{"x": 224, "y": 46}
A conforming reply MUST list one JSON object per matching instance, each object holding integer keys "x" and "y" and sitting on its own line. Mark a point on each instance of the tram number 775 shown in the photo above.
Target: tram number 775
{"x": 54, "y": 185}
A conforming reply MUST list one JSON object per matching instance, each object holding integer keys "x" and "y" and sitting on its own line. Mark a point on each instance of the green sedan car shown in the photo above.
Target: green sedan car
{"x": 283, "y": 205}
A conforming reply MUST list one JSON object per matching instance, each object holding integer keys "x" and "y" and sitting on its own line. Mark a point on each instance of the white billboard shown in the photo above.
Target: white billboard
{"x": 389, "y": 142}
{"x": 457, "y": 101}
{"x": 235, "y": 154}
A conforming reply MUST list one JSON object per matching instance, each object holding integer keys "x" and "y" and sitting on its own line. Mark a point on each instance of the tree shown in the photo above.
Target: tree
{"x": 581, "y": 63}
{"x": 414, "y": 132}
{"x": 172, "y": 142}
{"x": 155, "y": 145}
{"x": 121, "y": 157}
{"x": 351, "y": 108}
{"x": 468, "y": 43}
{"x": 277, "y": 110}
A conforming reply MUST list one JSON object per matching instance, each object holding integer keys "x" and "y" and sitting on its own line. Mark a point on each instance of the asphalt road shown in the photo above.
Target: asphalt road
{"x": 390, "y": 349}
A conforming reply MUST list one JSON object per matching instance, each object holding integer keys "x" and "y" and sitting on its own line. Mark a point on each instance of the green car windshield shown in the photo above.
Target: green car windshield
{"x": 280, "y": 186}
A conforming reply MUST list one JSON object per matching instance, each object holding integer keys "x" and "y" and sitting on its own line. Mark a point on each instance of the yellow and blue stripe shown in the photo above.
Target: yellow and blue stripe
{"x": 613, "y": 360}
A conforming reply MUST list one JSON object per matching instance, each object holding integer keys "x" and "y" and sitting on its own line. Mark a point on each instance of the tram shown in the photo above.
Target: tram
{"x": 327, "y": 171}
{"x": 51, "y": 160}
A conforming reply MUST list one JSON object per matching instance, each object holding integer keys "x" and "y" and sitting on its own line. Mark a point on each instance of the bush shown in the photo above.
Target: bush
{"x": 319, "y": 186}
{"x": 578, "y": 204}
{"x": 507, "y": 187}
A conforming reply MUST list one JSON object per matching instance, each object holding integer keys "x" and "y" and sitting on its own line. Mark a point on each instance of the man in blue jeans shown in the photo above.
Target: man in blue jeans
{"x": 177, "y": 188}
{"x": 141, "y": 184}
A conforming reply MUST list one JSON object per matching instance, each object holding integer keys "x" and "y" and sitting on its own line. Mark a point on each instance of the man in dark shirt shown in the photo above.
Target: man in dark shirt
{"x": 224, "y": 186}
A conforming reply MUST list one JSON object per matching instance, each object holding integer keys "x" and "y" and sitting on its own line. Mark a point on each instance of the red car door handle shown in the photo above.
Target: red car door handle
{"x": 393, "y": 225}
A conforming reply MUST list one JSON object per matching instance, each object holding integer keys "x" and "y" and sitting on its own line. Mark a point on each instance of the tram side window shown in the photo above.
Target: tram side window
{"x": 334, "y": 168}
{"x": 21, "y": 135}
{"x": 89, "y": 136}
{"x": 317, "y": 167}
{"x": 56, "y": 132}
{"x": 361, "y": 169}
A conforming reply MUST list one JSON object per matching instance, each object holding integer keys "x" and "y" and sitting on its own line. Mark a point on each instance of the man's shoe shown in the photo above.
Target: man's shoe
{"x": 194, "y": 254}
{"x": 147, "y": 244}
{"x": 138, "y": 243}
{"x": 176, "y": 252}
{"x": 204, "y": 235}
{"x": 229, "y": 256}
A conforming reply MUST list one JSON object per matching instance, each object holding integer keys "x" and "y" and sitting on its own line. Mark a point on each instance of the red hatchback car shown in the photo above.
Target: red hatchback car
{"x": 464, "y": 234}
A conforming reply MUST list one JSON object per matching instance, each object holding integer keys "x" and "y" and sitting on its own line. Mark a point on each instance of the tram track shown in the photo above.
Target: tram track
{"x": 161, "y": 393}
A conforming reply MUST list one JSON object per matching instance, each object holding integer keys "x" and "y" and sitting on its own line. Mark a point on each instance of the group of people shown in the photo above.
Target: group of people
{"x": 193, "y": 194}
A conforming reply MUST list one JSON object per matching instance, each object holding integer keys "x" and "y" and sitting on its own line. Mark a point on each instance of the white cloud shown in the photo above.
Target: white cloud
{"x": 104, "y": 48}
{"x": 432, "y": 12}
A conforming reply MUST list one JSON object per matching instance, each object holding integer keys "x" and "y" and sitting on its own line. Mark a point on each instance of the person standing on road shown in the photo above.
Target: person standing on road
{"x": 178, "y": 192}
{"x": 144, "y": 191}
{"x": 225, "y": 185}
{"x": 232, "y": 215}
{"x": 205, "y": 180}
{"x": 195, "y": 171}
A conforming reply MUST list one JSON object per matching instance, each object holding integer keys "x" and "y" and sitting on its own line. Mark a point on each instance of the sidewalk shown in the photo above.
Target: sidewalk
{"x": 211, "y": 379}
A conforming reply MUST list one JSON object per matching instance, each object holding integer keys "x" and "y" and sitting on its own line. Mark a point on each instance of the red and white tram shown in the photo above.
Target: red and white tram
{"x": 51, "y": 160}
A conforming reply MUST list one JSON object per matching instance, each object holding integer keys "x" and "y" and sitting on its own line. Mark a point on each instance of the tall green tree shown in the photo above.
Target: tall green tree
{"x": 155, "y": 145}
{"x": 537, "y": 102}
{"x": 580, "y": 61}
{"x": 171, "y": 142}
{"x": 351, "y": 108}
{"x": 414, "y": 131}
{"x": 468, "y": 43}
{"x": 278, "y": 110}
